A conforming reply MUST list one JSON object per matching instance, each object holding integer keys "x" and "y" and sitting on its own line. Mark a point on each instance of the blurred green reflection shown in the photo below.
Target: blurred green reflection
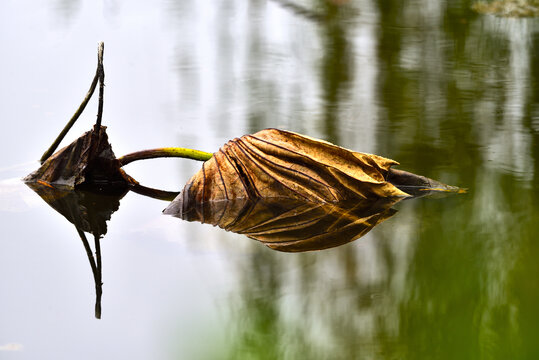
{"x": 455, "y": 278}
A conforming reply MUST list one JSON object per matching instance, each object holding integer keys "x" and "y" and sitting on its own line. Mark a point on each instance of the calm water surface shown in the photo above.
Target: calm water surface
{"x": 449, "y": 94}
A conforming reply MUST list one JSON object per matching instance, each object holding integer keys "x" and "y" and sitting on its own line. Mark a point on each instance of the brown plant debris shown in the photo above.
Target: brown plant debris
{"x": 89, "y": 160}
{"x": 508, "y": 8}
{"x": 280, "y": 164}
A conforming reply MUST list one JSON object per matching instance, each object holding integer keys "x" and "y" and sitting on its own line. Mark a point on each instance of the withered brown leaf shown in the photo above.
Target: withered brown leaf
{"x": 296, "y": 193}
{"x": 87, "y": 160}
{"x": 274, "y": 163}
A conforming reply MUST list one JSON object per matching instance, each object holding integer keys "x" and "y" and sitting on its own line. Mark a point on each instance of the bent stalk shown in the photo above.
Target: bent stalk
{"x": 99, "y": 76}
{"x": 165, "y": 152}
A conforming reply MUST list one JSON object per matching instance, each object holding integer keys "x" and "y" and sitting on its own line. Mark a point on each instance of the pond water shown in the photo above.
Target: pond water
{"x": 448, "y": 93}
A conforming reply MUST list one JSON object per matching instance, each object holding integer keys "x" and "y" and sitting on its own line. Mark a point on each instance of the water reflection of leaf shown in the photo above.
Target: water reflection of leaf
{"x": 87, "y": 210}
{"x": 290, "y": 225}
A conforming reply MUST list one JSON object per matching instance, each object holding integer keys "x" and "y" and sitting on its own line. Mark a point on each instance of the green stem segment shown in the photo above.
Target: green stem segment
{"x": 165, "y": 152}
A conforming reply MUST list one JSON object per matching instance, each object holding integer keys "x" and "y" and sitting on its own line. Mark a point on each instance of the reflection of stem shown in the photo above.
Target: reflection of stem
{"x": 79, "y": 111}
{"x": 96, "y": 269}
{"x": 165, "y": 152}
{"x": 98, "y": 277}
{"x": 154, "y": 193}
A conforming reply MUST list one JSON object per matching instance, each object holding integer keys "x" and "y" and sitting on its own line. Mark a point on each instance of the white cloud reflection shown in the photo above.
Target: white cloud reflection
{"x": 11, "y": 347}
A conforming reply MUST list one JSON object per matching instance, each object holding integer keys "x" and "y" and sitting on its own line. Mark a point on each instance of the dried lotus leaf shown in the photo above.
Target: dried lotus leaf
{"x": 280, "y": 164}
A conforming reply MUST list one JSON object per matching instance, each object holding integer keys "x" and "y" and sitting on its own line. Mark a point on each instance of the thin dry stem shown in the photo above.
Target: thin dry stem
{"x": 99, "y": 76}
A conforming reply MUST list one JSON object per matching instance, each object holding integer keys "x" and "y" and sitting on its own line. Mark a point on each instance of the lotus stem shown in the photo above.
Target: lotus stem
{"x": 165, "y": 152}
{"x": 99, "y": 75}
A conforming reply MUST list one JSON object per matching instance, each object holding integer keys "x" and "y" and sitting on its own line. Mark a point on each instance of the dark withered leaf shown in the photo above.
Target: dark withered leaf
{"x": 88, "y": 160}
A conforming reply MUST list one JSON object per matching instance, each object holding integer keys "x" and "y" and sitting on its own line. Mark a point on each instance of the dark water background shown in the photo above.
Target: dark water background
{"x": 450, "y": 94}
